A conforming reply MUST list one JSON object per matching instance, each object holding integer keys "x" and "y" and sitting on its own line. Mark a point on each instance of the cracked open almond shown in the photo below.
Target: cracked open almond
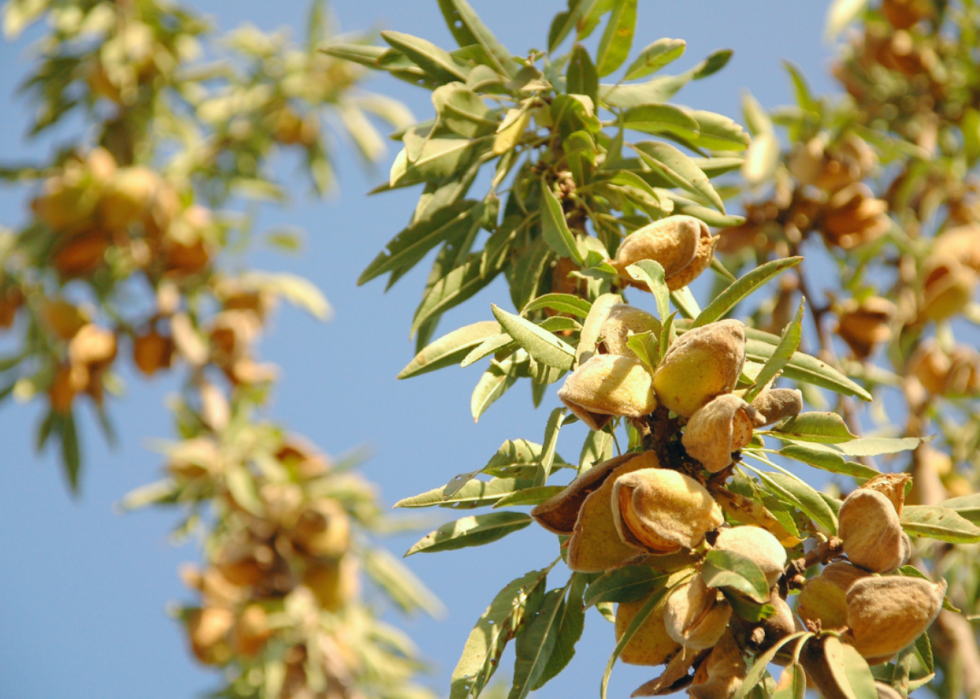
{"x": 662, "y": 511}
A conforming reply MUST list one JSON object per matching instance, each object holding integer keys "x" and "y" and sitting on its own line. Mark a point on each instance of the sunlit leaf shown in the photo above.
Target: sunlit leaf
{"x": 730, "y": 297}
{"x": 542, "y": 345}
{"x": 476, "y": 530}
{"x": 679, "y": 169}
{"x": 788, "y": 344}
{"x": 654, "y": 57}
{"x": 614, "y": 47}
{"x": 940, "y": 523}
{"x": 731, "y": 569}
{"x": 450, "y": 348}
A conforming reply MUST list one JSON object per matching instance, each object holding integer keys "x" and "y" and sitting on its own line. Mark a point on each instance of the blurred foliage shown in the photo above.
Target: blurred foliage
{"x": 134, "y": 246}
{"x": 868, "y": 195}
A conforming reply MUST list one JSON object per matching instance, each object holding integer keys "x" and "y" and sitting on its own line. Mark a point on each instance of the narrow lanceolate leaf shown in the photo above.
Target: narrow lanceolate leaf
{"x": 760, "y": 345}
{"x": 626, "y": 584}
{"x": 565, "y": 22}
{"x": 641, "y": 616}
{"x": 434, "y": 60}
{"x": 593, "y": 324}
{"x": 967, "y": 506}
{"x": 679, "y": 169}
{"x": 450, "y": 349}
{"x": 457, "y": 286}
{"x": 489, "y": 637}
{"x": 646, "y": 346}
{"x": 614, "y": 47}
{"x": 550, "y": 445}
{"x": 412, "y": 244}
{"x": 825, "y": 428}
{"x": 835, "y": 463}
{"x": 569, "y": 627}
{"x": 651, "y": 273}
{"x": 758, "y": 669}
{"x": 501, "y": 342}
{"x": 730, "y": 297}
{"x": 735, "y": 571}
{"x": 788, "y": 344}
{"x": 543, "y": 346}
{"x": 554, "y": 228}
{"x": 802, "y": 495}
{"x": 530, "y": 496}
{"x": 661, "y": 118}
{"x": 495, "y": 382}
{"x": 654, "y": 57}
{"x": 472, "y": 494}
{"x": 718, "y": 132}
{"x": 793, "y": 681}
{"x": 536, "y": 643}
{"x": 497, "y": 52}
{"x": 471, "y": 531}
{"x": 939, "y": 523}
{"x": 71, "y": 455}
{"x": 850, "y": 670}
{"x": 762, "y": 158}
{"x": 438, "y": 159}
{"x": 581, "y": 76}
{"x": 401, "y": 584}
{"x": 876, "y": 446}
{"x": 563, "y": 303}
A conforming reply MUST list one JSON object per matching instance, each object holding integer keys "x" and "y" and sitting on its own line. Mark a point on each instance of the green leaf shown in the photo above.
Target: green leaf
{"x": 434, "y": 60}
{"x": 501, "y": 342}
{"x": 563, "y": 303}
{"x": 760, "y": 345}
{"x": 554, "y": 228}
{"x": 803, "y": 496}
{"x": 569, "y": 627}
{"x": 717, "y": 132}
{"x": 70, "y": 453}
{"x": 647, "y": 348}
{"x": 651, "y": 273}
{"x": 472, "y": 494}
{"x": 835, "y": 463}
{"x": 412, "y": 244}
{"x": 967, "y": 506}
{"x": 401, "y": 584}
{"x": 641, "y": 616}
{"x": 756, "y": 118}
{"x": 795, "y": 688}
{"x": 580, "y": 152}
{"x": 679, "y": 169}
{"x": 241, "y": 487}
{"x": 498, "y": 54}
{"x": 463, "y": 112}
{"x": 745, "y": 608}
{"x": 300, "y": 292}
{"x": 488, "y": 639}
{"x": 593, "y": 324}
{"x": 536, "y": 643}
{"x": 438, "y": 159}
{"x": 939, "y": 523}
{"x": 450, "y": 348}
{"x": 157, "y": 493}
{"x": 850, "y": 669}
{"x": 654, "y": 57}
{"x": 543, "y": 346}
{"x": 571, "y": 113}
{"x": 494, "y": 383}
{"x": 661, "y": 118}
{"x": 660, "y": 90}
{"x": 875, "y": 446}
{"x": 736, "y": 571}
{"x": 581, "y": 76}
{"x": 614, "y": 47}
{"x": 476, "y": 530}
{"x": 460, "y": 284}
{"x": 565, "y": 22}
{"x": 730, "y": 297}
{"x": 533, "y": 495}
{"x": 758, "y": 670}
{"x": 626, "y": 584}
{"x": 824, "y": 428}
{"x": 800, "y": 88}
{"x": 555, "y": 421}
{"x": 785, "y": 350}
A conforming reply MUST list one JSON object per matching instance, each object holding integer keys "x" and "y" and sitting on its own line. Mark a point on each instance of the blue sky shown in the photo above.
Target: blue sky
{"x": 84, "y": 594}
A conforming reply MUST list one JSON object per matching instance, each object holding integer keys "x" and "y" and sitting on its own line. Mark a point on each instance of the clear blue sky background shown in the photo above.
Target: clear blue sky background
{"x": 83, "y": 590}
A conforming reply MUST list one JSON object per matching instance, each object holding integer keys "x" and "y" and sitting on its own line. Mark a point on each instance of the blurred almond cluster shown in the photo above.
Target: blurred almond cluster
{"x": 121, "y": 271}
